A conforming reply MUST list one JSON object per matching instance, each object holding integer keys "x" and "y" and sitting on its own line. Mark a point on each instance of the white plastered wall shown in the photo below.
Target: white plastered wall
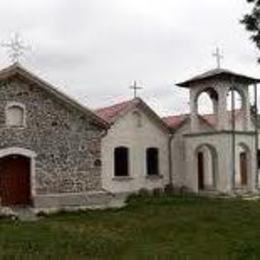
{"x": 125, "y": 132}
{"x": 222, "y": 143}
{"x": 179, "y": 152}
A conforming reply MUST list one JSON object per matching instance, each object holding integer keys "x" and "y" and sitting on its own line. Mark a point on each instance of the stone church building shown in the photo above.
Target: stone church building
{"x": 50, "y": 146}
{"x": 56, "y": 153}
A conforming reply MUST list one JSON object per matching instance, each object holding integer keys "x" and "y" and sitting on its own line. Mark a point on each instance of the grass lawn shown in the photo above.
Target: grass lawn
{"x": 151, "y": 228}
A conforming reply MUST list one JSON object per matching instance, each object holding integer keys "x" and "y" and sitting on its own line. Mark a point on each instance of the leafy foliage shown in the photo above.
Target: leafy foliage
{"x": 252, "y": 22}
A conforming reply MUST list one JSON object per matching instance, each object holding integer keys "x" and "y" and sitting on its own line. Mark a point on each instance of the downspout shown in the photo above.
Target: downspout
{"x": 256, "y": 137}
{"x": 170, "y": 158}
{"x": 233, "y": 135}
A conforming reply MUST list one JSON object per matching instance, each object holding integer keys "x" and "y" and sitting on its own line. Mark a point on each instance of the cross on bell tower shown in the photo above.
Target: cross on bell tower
{"x": 218, "y": 57}
{"x": 135, "y": 88}
{"x": 15, "y": 47}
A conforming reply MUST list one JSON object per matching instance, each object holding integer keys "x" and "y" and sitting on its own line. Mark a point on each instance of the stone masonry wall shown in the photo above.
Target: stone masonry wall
{"x": 67, "y": 144}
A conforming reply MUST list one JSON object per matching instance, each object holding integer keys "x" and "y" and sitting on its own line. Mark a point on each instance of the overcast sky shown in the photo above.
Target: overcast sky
{"x": 94, "y": 49}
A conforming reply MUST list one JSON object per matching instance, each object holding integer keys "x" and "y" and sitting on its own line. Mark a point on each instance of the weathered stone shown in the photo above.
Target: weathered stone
{"x": 65, "y": 140}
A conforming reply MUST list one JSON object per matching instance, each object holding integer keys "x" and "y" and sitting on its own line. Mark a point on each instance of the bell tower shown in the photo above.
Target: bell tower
{"x": 226, "y": 140}
{"x": 220, "y": 84}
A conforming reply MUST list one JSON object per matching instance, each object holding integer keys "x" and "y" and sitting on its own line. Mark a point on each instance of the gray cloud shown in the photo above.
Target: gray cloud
{"x": 94, "y": 49}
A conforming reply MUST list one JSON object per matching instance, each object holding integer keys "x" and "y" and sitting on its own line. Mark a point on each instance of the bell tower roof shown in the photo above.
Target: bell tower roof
{"x": 218, "y": 74}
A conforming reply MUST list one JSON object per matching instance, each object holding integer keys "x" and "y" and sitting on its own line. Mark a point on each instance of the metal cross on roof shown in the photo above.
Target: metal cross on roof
{"x": 135, "y": 88}
{"x": 218, "y": 57}
{"x": 15, "y": 47}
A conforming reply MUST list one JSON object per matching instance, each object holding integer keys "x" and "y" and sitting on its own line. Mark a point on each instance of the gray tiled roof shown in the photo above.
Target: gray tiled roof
{"x": 219, "y": 73}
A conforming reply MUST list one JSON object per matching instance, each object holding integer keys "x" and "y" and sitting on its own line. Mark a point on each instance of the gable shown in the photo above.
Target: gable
{"x": 42, "y": 109}
{"x": 17, "y": 72}
{"x": 128, "y": 132}
{"x": 138, "y": 120}
{"x": 115, "y": 113}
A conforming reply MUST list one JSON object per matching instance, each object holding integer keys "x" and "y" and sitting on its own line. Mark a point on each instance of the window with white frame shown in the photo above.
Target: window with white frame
{"x": 15, "y": 115}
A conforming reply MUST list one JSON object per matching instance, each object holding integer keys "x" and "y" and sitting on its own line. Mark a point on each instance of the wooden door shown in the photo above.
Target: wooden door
{"x": 243, "y": 168}
{"x": 200, "y": 171}
{"x": 15, "y": 180}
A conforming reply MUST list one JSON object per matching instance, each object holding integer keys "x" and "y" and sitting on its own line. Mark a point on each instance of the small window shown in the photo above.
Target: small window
{"x": 121, "y": 161}
{"x": 15, "y": 115}
{"x": 152, "y": 161}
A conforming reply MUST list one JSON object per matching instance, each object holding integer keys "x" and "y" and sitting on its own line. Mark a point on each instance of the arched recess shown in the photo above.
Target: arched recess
{"x": 243, "y": 167}
{"x": 206, "y": 159}
{"x": 15, "y": 114}
{"x": 22, "y": 154}
{"x": 207, "y": 101}
{"x": 137, "y": 118}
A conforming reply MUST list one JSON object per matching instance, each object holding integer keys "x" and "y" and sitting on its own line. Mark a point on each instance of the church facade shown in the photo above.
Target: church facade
{"x": 135, "y": 150}
{"x": 50, "y": 147}
{"x": 55, "y": 153}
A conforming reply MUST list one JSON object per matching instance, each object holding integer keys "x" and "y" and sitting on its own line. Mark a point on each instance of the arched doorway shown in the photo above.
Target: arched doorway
{"x": 242, "y": 166}
{"x": 207, "y": 167}
{"x": 15, "y": 184}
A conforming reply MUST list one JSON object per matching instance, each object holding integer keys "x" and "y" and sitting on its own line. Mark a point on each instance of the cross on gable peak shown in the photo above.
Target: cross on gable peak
{"x": 15, "y": 47}
{"x": 135, "y": 88}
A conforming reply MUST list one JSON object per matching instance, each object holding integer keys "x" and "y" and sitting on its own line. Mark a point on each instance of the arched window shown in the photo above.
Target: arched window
{"x": 121, "y": 159}
{"x": 152, "y": 161}
{"x": 15, "y": 115}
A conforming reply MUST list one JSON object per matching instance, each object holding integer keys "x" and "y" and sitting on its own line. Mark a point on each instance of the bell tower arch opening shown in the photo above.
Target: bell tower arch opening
{"x": 206, "y": 101}
{"x": 238, "y": 99}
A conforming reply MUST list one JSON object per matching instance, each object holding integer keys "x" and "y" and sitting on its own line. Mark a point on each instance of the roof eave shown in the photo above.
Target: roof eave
{"x": 248, "y": 80}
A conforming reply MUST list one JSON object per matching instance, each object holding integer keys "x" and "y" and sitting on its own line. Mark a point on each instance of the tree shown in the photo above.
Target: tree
{"x": 252, "y": 22}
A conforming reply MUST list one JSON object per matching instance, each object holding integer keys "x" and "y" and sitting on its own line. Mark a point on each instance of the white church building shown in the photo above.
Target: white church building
{"x": 214, "y": 153}
{"x": 135, "y": 150}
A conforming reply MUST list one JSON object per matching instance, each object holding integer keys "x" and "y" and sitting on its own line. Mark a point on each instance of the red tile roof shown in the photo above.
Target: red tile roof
{"x": 176, "y": 121}
{"x": 111, "y": 113}
{"x": 211, "y": 119}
